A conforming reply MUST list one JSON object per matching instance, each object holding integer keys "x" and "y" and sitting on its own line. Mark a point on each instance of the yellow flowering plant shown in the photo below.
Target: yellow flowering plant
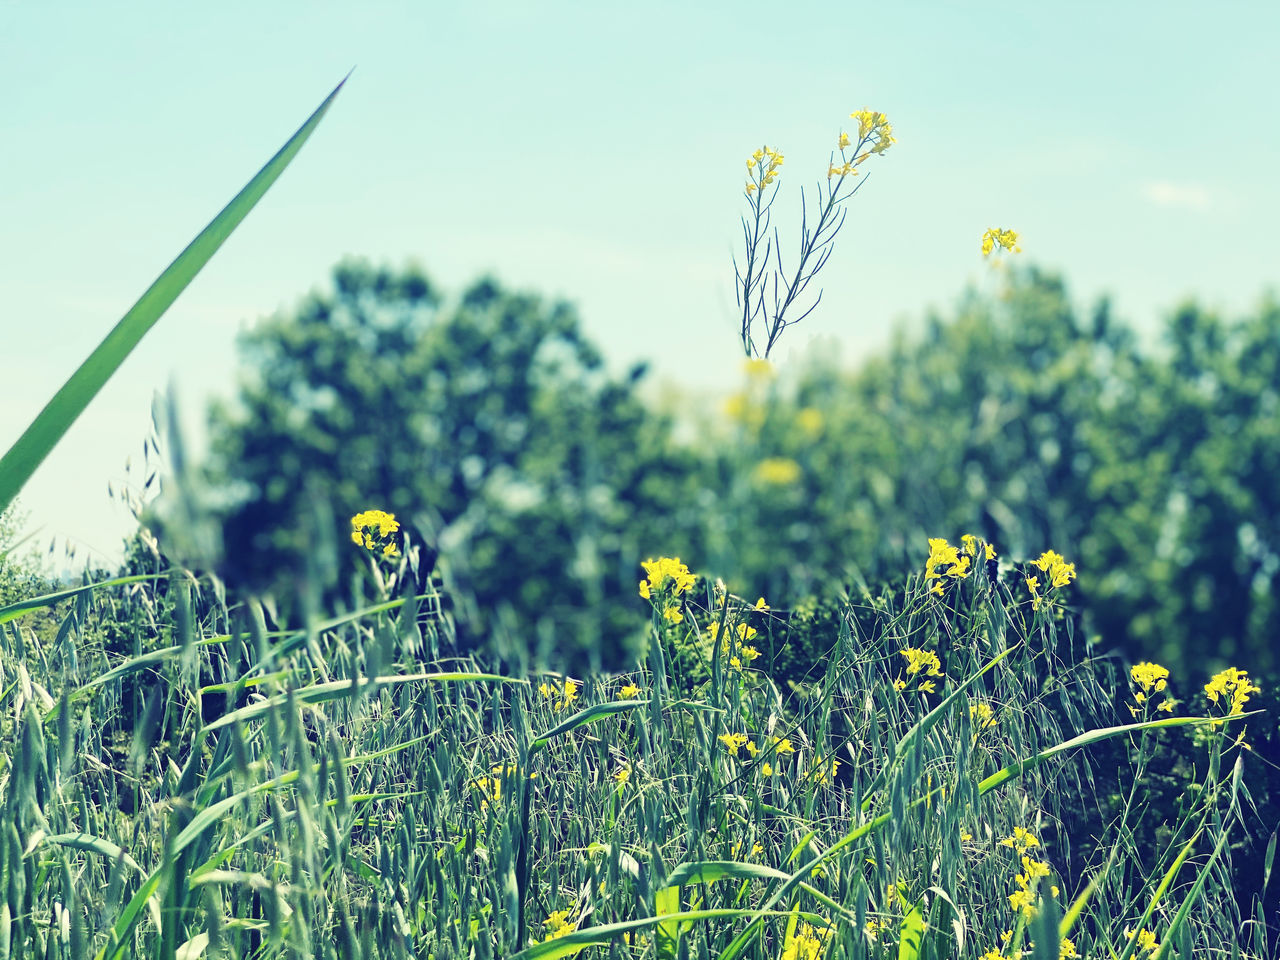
{"x": 376, "y": 531}
{"x": 768, "y": 296}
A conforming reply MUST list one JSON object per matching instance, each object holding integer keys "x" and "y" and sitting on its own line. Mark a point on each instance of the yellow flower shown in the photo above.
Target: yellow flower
{"x": 1033, "y": 584}
{"x": 843, "y": 141}
{"x": 374, "y": 530}
{"x": 666, "y": 573}
{"x": 1146, "y": 940}
{"x": 673, "y": 614}
{"x": 622, "y": 775}
{"x": 918, "y": 660}
{"x": 733, "y": 742}
{"x": 776, "y": 472}
{"x": 766, "y": 768}
{"x": 558, "y": 925}
{"x": 824, "y": 772}
{"x": 760, "y": 605}
{"x": 981, "y": 716}
{"x": 1233, "y": 683}
{"x": 810, "y": 420}
{"x": 874, "y": 127}
{"x": 970, "y": 544}
{"x": 941, "y": 553}
{"x": 1060, "y": 572}
{"x": 927, "y": 686}
{"x": 629, "y": 692}
{"x": 570, "y": 693}
{"x": 757, "y": 368}
{"x": 782, "y": 745}
{"x": 806, "y": 943}
{"x": 1005, "y": 239}
{"x": 1022, "y": 839}
{"x": 566, "y": 693}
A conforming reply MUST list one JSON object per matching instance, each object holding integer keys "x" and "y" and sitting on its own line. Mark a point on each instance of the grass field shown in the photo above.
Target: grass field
{"x": 181, "y": 781}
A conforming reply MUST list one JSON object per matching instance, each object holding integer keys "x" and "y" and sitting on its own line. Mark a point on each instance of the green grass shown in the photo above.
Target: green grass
{"x": 222, "y": 790}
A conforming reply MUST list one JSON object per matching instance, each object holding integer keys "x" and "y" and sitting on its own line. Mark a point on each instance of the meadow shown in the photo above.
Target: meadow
{"x": 187, "y": 771}
{"x": 226, "y": 789}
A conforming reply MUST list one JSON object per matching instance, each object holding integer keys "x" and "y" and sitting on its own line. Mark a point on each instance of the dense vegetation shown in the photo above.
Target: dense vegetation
{"x": 227, "y": 790}
{"x": 492, "y": 424}
{"x": 479, "y": 731}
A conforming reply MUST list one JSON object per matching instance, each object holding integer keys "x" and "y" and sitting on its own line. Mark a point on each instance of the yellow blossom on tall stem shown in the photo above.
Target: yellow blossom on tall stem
{"x": 1004, "y": 239}
{"x": 666, "y": 573}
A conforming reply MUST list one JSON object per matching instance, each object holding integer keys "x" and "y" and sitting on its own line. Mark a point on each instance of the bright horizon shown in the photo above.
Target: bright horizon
{"x": 596, "y": 154}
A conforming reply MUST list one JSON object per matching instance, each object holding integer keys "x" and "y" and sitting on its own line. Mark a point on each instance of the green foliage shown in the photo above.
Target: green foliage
{"x": 445, "y": 812}
{"x": 487, "y": 423}
{"x": 1018, "y": 421}
{"x": 21, "y": 573}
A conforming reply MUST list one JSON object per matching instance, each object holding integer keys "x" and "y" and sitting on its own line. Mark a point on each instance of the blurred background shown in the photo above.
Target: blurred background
{"x": 494, "y": 295}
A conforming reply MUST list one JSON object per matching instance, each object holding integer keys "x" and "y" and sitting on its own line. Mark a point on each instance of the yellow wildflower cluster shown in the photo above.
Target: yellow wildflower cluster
{"x": 824, "y": 772}
{"x": 563, "y": 694}
{"x": 943, "y": 555}
{"x": 981, "y": 715}
{"x": 1059, "y": 573}
{"x": 763, "y": 168}
{"x": 1023, "y": 899}
{"x": 735, "y": 649}
{"x": 622, "y": 775}
{"x": 970, "y": 543}
{"x": 810, "y": 421}
{"x": 629, "y": 692}
{"x": 806, "y": 943}
{"x": 667, "y": 579}
{"x": 733, "y": 742}
{"x": 1005, "y": 239}
{"x": 776, "y": 472}
{"x": 559, "y": 925}
{"x": 1151, "y": 678}
{"x": 1233, "y": 684}
{"x": 1146, "y": 940}
{"x": 660, "y": 571}
{"x": 376, "y": 530}
{"x": 490, "y": 787}
{"x": 920, "y": 662}
{"x": 875, "y": 136}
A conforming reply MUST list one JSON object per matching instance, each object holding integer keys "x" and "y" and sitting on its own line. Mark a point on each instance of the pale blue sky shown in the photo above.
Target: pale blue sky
{"x": 595, "y": 151}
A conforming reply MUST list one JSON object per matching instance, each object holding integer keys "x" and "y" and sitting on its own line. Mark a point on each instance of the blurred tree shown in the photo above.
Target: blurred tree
{"x": 1154, "y": 470}
{"x": 22, "y": 575}
{"x": 490, "y": 424}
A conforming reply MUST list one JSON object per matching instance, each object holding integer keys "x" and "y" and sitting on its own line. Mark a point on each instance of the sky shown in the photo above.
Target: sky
{"x": 595, "y": 152}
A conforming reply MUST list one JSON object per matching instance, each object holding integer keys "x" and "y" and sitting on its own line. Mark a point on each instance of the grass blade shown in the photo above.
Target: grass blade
{"x": 22, "y": 459}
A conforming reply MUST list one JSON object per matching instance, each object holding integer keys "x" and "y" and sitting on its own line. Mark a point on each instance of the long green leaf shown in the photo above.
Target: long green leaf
{"x": 911, "y": 933}
{"x": 49, "y": 426}
{"x": 337, "y": 689}
{"x": 583, "y": 717}
{"x": 571, "y": 943}
{"x": 15, "y": 610}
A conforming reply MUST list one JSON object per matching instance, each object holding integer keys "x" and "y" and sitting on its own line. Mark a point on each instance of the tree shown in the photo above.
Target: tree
{"x": 489, "y": 423}
{"x": 1026, "y": 424}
